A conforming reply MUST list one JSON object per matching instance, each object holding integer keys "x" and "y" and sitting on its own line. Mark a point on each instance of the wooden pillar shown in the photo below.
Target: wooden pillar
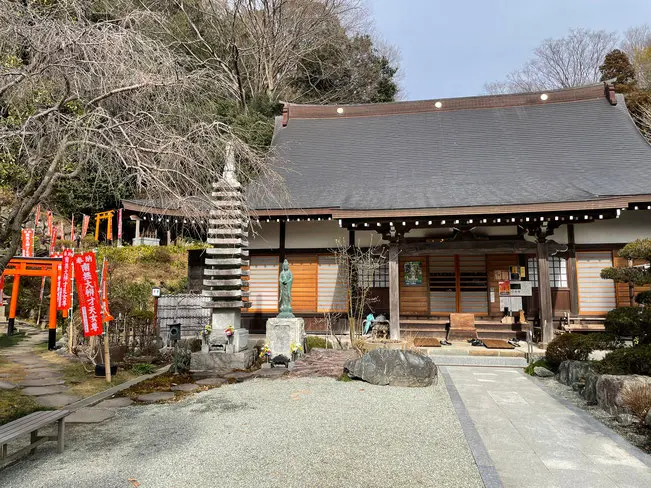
{"x": 394, "y": 291}
{"x": 572, "y": 281}
{"x": 169, "y": 237}
{"x": 96, "y": 227}
{"x": 545, "y": 292}
{"x": 281, "y": 243}
{"x": 15, "y": 288}
{"x": 138, "y": 230}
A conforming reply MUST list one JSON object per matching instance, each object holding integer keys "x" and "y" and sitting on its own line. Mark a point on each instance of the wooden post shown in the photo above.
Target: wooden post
{"x": 281, "y": 239}
{"x": 107, "y": 354}
{"x": 545, "y": 292}
{"x": 394, "y": 291}
{"x": 169, "y": 237}
{"x": 97, "y": 227}
{"x": 15, "y": 288}
{"x": 137, "y": 229}
{"x": 572, "y": 281}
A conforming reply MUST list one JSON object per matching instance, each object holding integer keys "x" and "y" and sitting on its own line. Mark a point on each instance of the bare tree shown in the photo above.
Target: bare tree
{"x": 570, "y": 61}
{"x": 637, "y": 45}
{"x": 357, "y": 268}
{"x": 76, "y": 92}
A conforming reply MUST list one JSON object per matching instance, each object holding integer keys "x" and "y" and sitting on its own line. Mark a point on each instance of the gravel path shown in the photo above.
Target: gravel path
{"x": 300, "y": 432}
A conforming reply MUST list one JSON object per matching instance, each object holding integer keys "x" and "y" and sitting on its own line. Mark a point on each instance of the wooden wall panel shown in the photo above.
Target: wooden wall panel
{"x": 442, "y": 285}
{"x": 263, "y": 284}
{"x": 497, "y": 262}
{"x": 332, "y": 286}
{"x": 304, "y": 287}
{"x": 596, "y": 295}
{"x": 414, "y": 299}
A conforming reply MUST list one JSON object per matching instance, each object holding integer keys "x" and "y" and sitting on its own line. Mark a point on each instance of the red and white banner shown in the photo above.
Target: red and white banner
{"x": 88, "y": 290}
{"x": 2, "y": 289}
{"x": 28, "y": 243}
{"x": 59, "y": 296}
{"x": 84, "y": 225}
{"x": 107, "y": 317}
{"x": 64, "y": 280}
{"x": 53, "y": 240}
{"x": 72, "y": 228}
{"x": 38, "y": 216}
{"x": 119, "y": 224}
{"x": 63, "y": 233}
{"x": 49, "y": 223}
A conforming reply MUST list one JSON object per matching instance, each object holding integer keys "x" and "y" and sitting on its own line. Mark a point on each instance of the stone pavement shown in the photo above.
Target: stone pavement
{"x": 42, "y": 379}
{"x": 531, "y": 439}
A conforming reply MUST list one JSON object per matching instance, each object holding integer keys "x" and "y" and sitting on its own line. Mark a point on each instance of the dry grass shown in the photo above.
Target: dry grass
{"x": 164, "y": 382}
{"x": 637, "y": 399}
{"x": 14, "y": 405}
{"x": 16, "y": 372}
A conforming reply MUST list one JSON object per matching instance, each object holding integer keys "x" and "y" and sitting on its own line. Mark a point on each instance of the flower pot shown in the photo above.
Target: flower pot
{"x": 100, "y": 370}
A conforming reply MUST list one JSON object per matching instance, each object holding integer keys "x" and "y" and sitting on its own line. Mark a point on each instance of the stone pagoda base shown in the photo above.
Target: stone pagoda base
{"x": 221, "y": 361}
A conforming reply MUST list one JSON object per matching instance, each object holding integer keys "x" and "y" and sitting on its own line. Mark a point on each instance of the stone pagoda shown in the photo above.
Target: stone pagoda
{"x": 225, "y": 261}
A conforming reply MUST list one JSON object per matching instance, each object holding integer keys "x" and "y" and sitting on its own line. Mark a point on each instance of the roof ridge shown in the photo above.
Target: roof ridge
{"x": 589, "y": 92}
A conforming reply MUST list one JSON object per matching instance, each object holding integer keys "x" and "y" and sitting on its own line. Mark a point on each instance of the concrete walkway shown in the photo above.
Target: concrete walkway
{"x": 531, "y": 439}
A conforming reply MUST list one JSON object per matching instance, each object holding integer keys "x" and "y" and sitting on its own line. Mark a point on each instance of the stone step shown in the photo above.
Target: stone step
{"x": 226, "y": 222}
{"x": 225, "y": 282}
{"x": 226, "y": 272}
{"x": 222, "y": 185}
{"x": 226, "y": 251}
{"x": 226, "y": 262}
{"x": 224, "y": 304}
{"x": 225, "y": 293}
{"x": 226, "y": 241}
{"x": 228, "y": 232}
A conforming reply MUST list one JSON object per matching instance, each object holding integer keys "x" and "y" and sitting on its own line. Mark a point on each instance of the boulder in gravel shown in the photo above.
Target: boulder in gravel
{"x": 570, "y": 372}
{"x": 542, "y": 372}
{"x": 589, "y": 391}
{"x": 647, "y": 420}
{"x": 393, "y": 367}
{"x": 610, "y": 387}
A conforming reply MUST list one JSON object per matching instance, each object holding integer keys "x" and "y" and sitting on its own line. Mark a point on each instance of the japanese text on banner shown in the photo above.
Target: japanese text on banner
{"x": 85, "y": 267}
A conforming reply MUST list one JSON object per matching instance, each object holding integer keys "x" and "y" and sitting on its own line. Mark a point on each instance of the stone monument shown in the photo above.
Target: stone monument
{"x": 223, "y": 272}
{"x": 285, "y": 330}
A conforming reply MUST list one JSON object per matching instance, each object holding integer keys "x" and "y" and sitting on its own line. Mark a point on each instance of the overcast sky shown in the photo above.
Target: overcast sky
{"x": 451, "y": 48}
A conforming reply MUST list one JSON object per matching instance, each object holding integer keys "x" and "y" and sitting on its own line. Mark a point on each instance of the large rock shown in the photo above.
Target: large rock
{"x": 647, "y": 420}
{"x": 589, "y": 390}
{"x": 542, "y": 372}
{"x": 570, "y": 372}
{"x": 610, "y": 387}
{"x": 393, "y": 367}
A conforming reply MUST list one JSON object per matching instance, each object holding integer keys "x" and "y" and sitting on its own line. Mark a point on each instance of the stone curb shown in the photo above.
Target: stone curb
{"x": 103, "y": 395}
{"x": 477, "y": 448}
{"x": 593, "y": 422}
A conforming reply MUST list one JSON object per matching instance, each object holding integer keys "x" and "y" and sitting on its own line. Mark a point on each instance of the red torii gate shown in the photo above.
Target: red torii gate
{"x": 18, "y": 267}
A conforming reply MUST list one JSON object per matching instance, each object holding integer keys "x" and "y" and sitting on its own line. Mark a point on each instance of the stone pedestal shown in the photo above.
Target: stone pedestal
{"x": 282, "y": 333}
{"x": 219, "y": 341}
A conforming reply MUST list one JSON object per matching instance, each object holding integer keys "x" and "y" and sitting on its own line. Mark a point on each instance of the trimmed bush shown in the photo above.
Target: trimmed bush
{"x": 317, "y": 342}
{"x": 627, "y": 360}
{"x": 630, "y": 322}
{"x": 575, "y": 347}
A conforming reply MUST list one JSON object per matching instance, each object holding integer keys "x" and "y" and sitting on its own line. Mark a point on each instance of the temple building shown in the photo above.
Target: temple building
{"x": 485, "y": 204}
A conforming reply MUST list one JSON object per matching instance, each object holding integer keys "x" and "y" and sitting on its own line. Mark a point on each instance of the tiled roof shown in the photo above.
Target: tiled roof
{"x": 506, "y": 150}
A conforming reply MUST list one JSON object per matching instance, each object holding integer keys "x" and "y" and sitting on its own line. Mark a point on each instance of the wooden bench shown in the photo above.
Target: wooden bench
{"x": 571, "y": 323}
{"x": 30, "y": 424}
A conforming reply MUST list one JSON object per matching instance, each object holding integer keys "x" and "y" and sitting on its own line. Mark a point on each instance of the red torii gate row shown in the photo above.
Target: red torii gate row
{"x": 18, "y": 267}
